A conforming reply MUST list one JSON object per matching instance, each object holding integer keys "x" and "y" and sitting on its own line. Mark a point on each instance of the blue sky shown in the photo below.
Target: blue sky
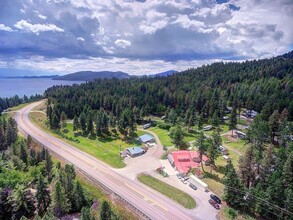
{"x": 139, "y": 36}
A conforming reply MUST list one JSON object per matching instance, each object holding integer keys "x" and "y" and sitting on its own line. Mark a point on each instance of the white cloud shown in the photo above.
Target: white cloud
{"x": 5, "y": 28}
{"x": 36, "y": 28}
{"x": 80, "y": 39}
{"x": 40, "y": 15}
{"x": 123, "y": 43}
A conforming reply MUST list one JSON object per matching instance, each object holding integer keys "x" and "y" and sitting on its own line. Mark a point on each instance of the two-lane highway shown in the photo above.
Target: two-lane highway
{"x": 152, "y": 204}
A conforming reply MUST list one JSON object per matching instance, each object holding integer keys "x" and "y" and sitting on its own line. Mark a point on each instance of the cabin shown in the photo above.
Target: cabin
{"x": 240, "y": 134}
{"x": 249, "y": 113}
{"x": 146, "y": 138}
{"x": 135, "y": 151}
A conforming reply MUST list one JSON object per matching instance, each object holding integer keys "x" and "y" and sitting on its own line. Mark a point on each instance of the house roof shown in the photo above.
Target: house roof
{"x": 183, "y": 160}
{"x": 134, "y": 150}
{"x": 146, "y": 137}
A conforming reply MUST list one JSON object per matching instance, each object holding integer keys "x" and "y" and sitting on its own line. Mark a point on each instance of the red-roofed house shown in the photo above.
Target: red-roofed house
{"x": 185, "y": 160}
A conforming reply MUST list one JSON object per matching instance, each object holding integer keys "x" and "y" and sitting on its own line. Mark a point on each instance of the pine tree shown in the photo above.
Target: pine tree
{"x": 82, "y": 122}
{"x": 105, "y": 212}
{"x": 274, "y": 124}
{"x": 23, "y": 203}
{"x": 42, "y": 195}
{"x": 200, "y": 121}
{"x": 5, "y": 204}
{"x": 233, "y": 120}
{"x": 23, "y": 153}
{"x": 176, "y": 134}
{"x": 49, "y": 216}
{"x": 48, "y": 164}
{"x": 75, "y": 123}
{"x": 60, "y": 204}
{"x": 288, "y": 171}
{"x": 200, "y": 145}
{"x": 246, "y": 167}
{"x": 233, "y": 191}
{"x": 86, "y": 214}
{"x": 79, "y": 197}
{"x": 2, "y": 137}
{"x": 289, "y": 200}
{"x": 63, "y": 120}
{"x": 11, "y": 132}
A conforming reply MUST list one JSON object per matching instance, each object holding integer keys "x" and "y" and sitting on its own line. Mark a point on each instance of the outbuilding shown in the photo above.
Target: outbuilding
{"x": 135, "y": 151}
{"x": 146, "y": 138}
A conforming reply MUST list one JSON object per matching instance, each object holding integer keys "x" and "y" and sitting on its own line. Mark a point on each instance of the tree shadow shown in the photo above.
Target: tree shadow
{"x": 214, "y": 177}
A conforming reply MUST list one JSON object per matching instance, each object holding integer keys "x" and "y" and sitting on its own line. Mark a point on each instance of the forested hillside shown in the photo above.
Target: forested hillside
{"x": 264, "y": 85}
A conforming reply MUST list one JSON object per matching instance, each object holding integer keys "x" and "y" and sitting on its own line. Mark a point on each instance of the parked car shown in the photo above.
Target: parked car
{"x": 192, "y": 186}
{"x": 216, "y": 198}
{"x": 184, "y": 181}
{"x": 178, "y": 176}
{"x": 214, "y": 204}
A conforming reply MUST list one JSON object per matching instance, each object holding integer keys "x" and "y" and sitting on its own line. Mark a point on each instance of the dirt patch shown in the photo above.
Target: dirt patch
{"x": 230, "y": 138}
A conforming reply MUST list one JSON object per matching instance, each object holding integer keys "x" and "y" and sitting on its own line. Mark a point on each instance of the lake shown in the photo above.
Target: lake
{"x": 28, "y": 87}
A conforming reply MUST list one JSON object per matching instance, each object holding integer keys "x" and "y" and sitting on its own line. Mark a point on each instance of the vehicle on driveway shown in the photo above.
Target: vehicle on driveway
{"x": 214, "y": 204}
{"x": 184, "y": 181}
{"x": 178, "y": 176}
{"x": 192, "y": 186}
{"x": 216, "y": 198}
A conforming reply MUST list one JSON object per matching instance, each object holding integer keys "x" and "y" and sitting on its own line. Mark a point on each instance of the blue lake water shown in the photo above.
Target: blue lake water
{"x": 21, "y": 87}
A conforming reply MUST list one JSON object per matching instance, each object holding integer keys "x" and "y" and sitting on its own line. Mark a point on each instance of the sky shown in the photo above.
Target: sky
{"x": 139, "y": 36}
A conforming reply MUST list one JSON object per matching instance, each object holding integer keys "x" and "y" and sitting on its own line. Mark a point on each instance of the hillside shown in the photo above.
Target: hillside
{"x": 262, "y": 85}
{"x": 90, "y": 75}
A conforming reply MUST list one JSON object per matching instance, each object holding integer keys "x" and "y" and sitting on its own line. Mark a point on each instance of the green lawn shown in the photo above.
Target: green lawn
{"x": 163, "y": 135}
{"x": 166, "y": 140}
{"x": 237, "y": 145}
{"x": 105, "y": 149}
{"x": 173, "y": 193}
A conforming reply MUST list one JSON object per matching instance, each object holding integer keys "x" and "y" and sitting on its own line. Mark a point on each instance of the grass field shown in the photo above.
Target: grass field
{"x": 16, "y": 108}
{"x": 173, "y": 193}
{"x": 239, "y": 145}
{"x": 163, "y": 134}
{"x": 106, "y": 149}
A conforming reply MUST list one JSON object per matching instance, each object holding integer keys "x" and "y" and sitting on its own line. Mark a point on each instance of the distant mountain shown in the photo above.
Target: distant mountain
{"x": 166, "y": 73}
{"x": 90, "y": 75}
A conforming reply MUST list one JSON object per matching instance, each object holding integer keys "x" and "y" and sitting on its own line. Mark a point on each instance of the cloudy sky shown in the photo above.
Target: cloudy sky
{"x": 139, "y": 36}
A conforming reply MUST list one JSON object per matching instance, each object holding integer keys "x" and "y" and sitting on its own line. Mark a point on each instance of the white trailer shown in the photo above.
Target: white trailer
{"x": 198, "y": 183}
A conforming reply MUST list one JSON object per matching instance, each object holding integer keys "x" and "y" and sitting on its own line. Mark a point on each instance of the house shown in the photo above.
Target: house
{"x": 240, "y": 134}
{"x": 249, "y": 113}
{"x": 185, "y": 160}
{"x": 207, "y": 128}
{"x": 146, "y": 126}
{"x": 146, "y": 138}
{"x": 135, "y": 151}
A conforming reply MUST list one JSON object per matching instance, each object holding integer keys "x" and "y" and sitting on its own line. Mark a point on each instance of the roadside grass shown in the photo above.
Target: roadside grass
{"x": 173, "y": 193}
{"x": 16, "y": 108}
{"x": 105, "y": 149}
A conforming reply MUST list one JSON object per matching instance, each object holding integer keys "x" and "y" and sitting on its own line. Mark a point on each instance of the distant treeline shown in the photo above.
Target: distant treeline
{"x": 6, "y": 103}
{"x": 262, "y": 85}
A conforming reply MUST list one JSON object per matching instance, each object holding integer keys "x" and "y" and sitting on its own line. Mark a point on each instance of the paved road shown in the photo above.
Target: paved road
{"x": 153, "y": 204}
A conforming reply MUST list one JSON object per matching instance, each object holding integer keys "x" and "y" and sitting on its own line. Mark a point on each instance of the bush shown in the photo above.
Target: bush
{"x": 232, "y": 214}
{"x": 164, "y": 126}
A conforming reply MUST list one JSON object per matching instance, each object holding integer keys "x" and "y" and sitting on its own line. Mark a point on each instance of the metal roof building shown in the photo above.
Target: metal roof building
{"x": 146, "y": 138}
{"x": 135, "y": 151}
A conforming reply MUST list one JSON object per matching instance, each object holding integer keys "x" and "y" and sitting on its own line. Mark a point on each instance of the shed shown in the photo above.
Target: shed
{"x": 135, "y": 151}
{"x": 207, "y": 128}
{"x": 146, "y": 138}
